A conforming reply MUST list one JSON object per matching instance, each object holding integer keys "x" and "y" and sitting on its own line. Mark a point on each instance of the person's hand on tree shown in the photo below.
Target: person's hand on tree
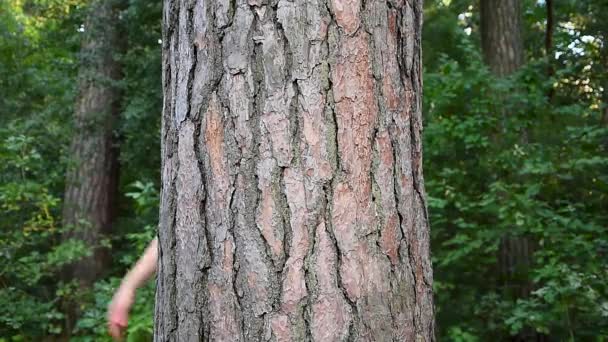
{"x": 118, "y": 312}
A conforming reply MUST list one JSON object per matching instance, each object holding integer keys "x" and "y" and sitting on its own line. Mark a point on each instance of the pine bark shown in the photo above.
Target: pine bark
{"x": 292, "y": 204}
{"x": 92, "y": 177}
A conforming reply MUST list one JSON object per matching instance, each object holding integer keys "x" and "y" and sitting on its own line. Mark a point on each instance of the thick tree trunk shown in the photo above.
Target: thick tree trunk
{"x": 292, "y": 202}
{"x": 91, "y": 183}
{"x": 501, "y": 35}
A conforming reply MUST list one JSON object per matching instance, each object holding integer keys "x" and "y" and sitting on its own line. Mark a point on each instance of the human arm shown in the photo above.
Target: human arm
{"x": 118, "y": 310}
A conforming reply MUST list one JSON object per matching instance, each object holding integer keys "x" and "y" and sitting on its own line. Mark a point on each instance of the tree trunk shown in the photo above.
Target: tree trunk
{"x": 549, "y": 45}
{"x": 503, "y": 51}
{"x": 501, "y": 35}
{"x": 604, "y": 83}
{"x": 549, "y": 29}
{"x": 92, "y": 179}
{"x": 292, "y": 202}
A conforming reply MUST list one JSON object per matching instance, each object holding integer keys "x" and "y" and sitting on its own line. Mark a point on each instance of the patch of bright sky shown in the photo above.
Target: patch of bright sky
{"x": 574, "y": 46}
{"x": 463, "y": 20}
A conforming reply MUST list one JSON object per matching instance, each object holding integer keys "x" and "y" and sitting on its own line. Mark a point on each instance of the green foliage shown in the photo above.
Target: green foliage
{"x": 29, "y": 234}
{"x": 93, "y": 325}
{"x": 502, "y": 160}
{"x": 140, "y": 124}
{"x": 40, "y": 42}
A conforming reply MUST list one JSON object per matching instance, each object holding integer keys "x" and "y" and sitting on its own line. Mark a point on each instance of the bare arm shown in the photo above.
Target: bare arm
{"x": 143, "y": 269}
{"x": 118, "y": 310}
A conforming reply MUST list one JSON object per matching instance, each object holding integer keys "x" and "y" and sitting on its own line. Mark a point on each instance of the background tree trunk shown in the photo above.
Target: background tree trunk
{"x": 549, "y": 45}
{"x": 92, "y": 178}
{"x": 292, "y": 203}
{"x": 604, "y": 83}
{"x": 503, "y": 51}
{"x": 501, "y": 35}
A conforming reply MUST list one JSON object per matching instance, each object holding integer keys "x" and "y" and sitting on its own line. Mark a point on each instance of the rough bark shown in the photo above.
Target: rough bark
{"x": 91, "y": 181}
{"x": 501, "y": 35}
{"x": 292, "y": 204}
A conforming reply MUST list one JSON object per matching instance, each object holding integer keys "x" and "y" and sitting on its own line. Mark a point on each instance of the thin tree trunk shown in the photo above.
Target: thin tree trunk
{"x": 549, "y": 45}
{"x": 292, "y": 202}
{"x": 92, "y": 178}
{"x": 604, "y": 83}
{"x": 550, "y": 27}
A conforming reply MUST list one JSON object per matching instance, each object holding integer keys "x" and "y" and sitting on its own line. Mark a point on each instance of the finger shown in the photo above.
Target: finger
{"x": 116, "y": 331}
{"x": 113, "y": 331}
{"x": 119, "y": 316}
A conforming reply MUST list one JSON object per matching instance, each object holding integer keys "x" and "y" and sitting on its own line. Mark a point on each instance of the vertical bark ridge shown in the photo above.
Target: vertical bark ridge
{"x": 256, "y": 281}
{"x": 165, "y": 325}
{"x": 224, "y": 321}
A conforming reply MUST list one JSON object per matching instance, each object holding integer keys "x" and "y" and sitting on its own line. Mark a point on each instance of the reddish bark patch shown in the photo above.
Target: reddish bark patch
{"x": 266, "y": 223}
{"x": 344, "y": 224}
{"x": 347, "y": 14}
{"x": 224, "y": 327}
{"x": 390, "y": 234}
{"x": 256, "y": 284}
{"x": 280, "y": 328}
{"x": 331, "y": 315}
{"x": 277, "y": 125}
{"x": 314, "y": 132}
{"x": 214, "y": 143}
{"x": 222, "y": 308}
{"x": 391, "y": 87}
{"x": 266, "y": 220}
{"x": 228, "y": 260}
{"x": 294, "y": 285}
{"x": 356, "y": 113}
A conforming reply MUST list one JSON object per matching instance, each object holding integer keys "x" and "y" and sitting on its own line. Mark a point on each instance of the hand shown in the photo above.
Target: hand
{"x": 118, "y": 312}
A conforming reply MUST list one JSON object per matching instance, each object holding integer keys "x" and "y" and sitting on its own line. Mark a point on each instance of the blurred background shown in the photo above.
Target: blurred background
{"x": 516, "y": 165}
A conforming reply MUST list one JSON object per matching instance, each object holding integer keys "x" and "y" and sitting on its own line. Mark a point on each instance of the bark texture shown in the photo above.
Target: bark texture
{"x": 91, "y": 183}
{"x": 501, "y": 35}
{"x": 292, "y": 205}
